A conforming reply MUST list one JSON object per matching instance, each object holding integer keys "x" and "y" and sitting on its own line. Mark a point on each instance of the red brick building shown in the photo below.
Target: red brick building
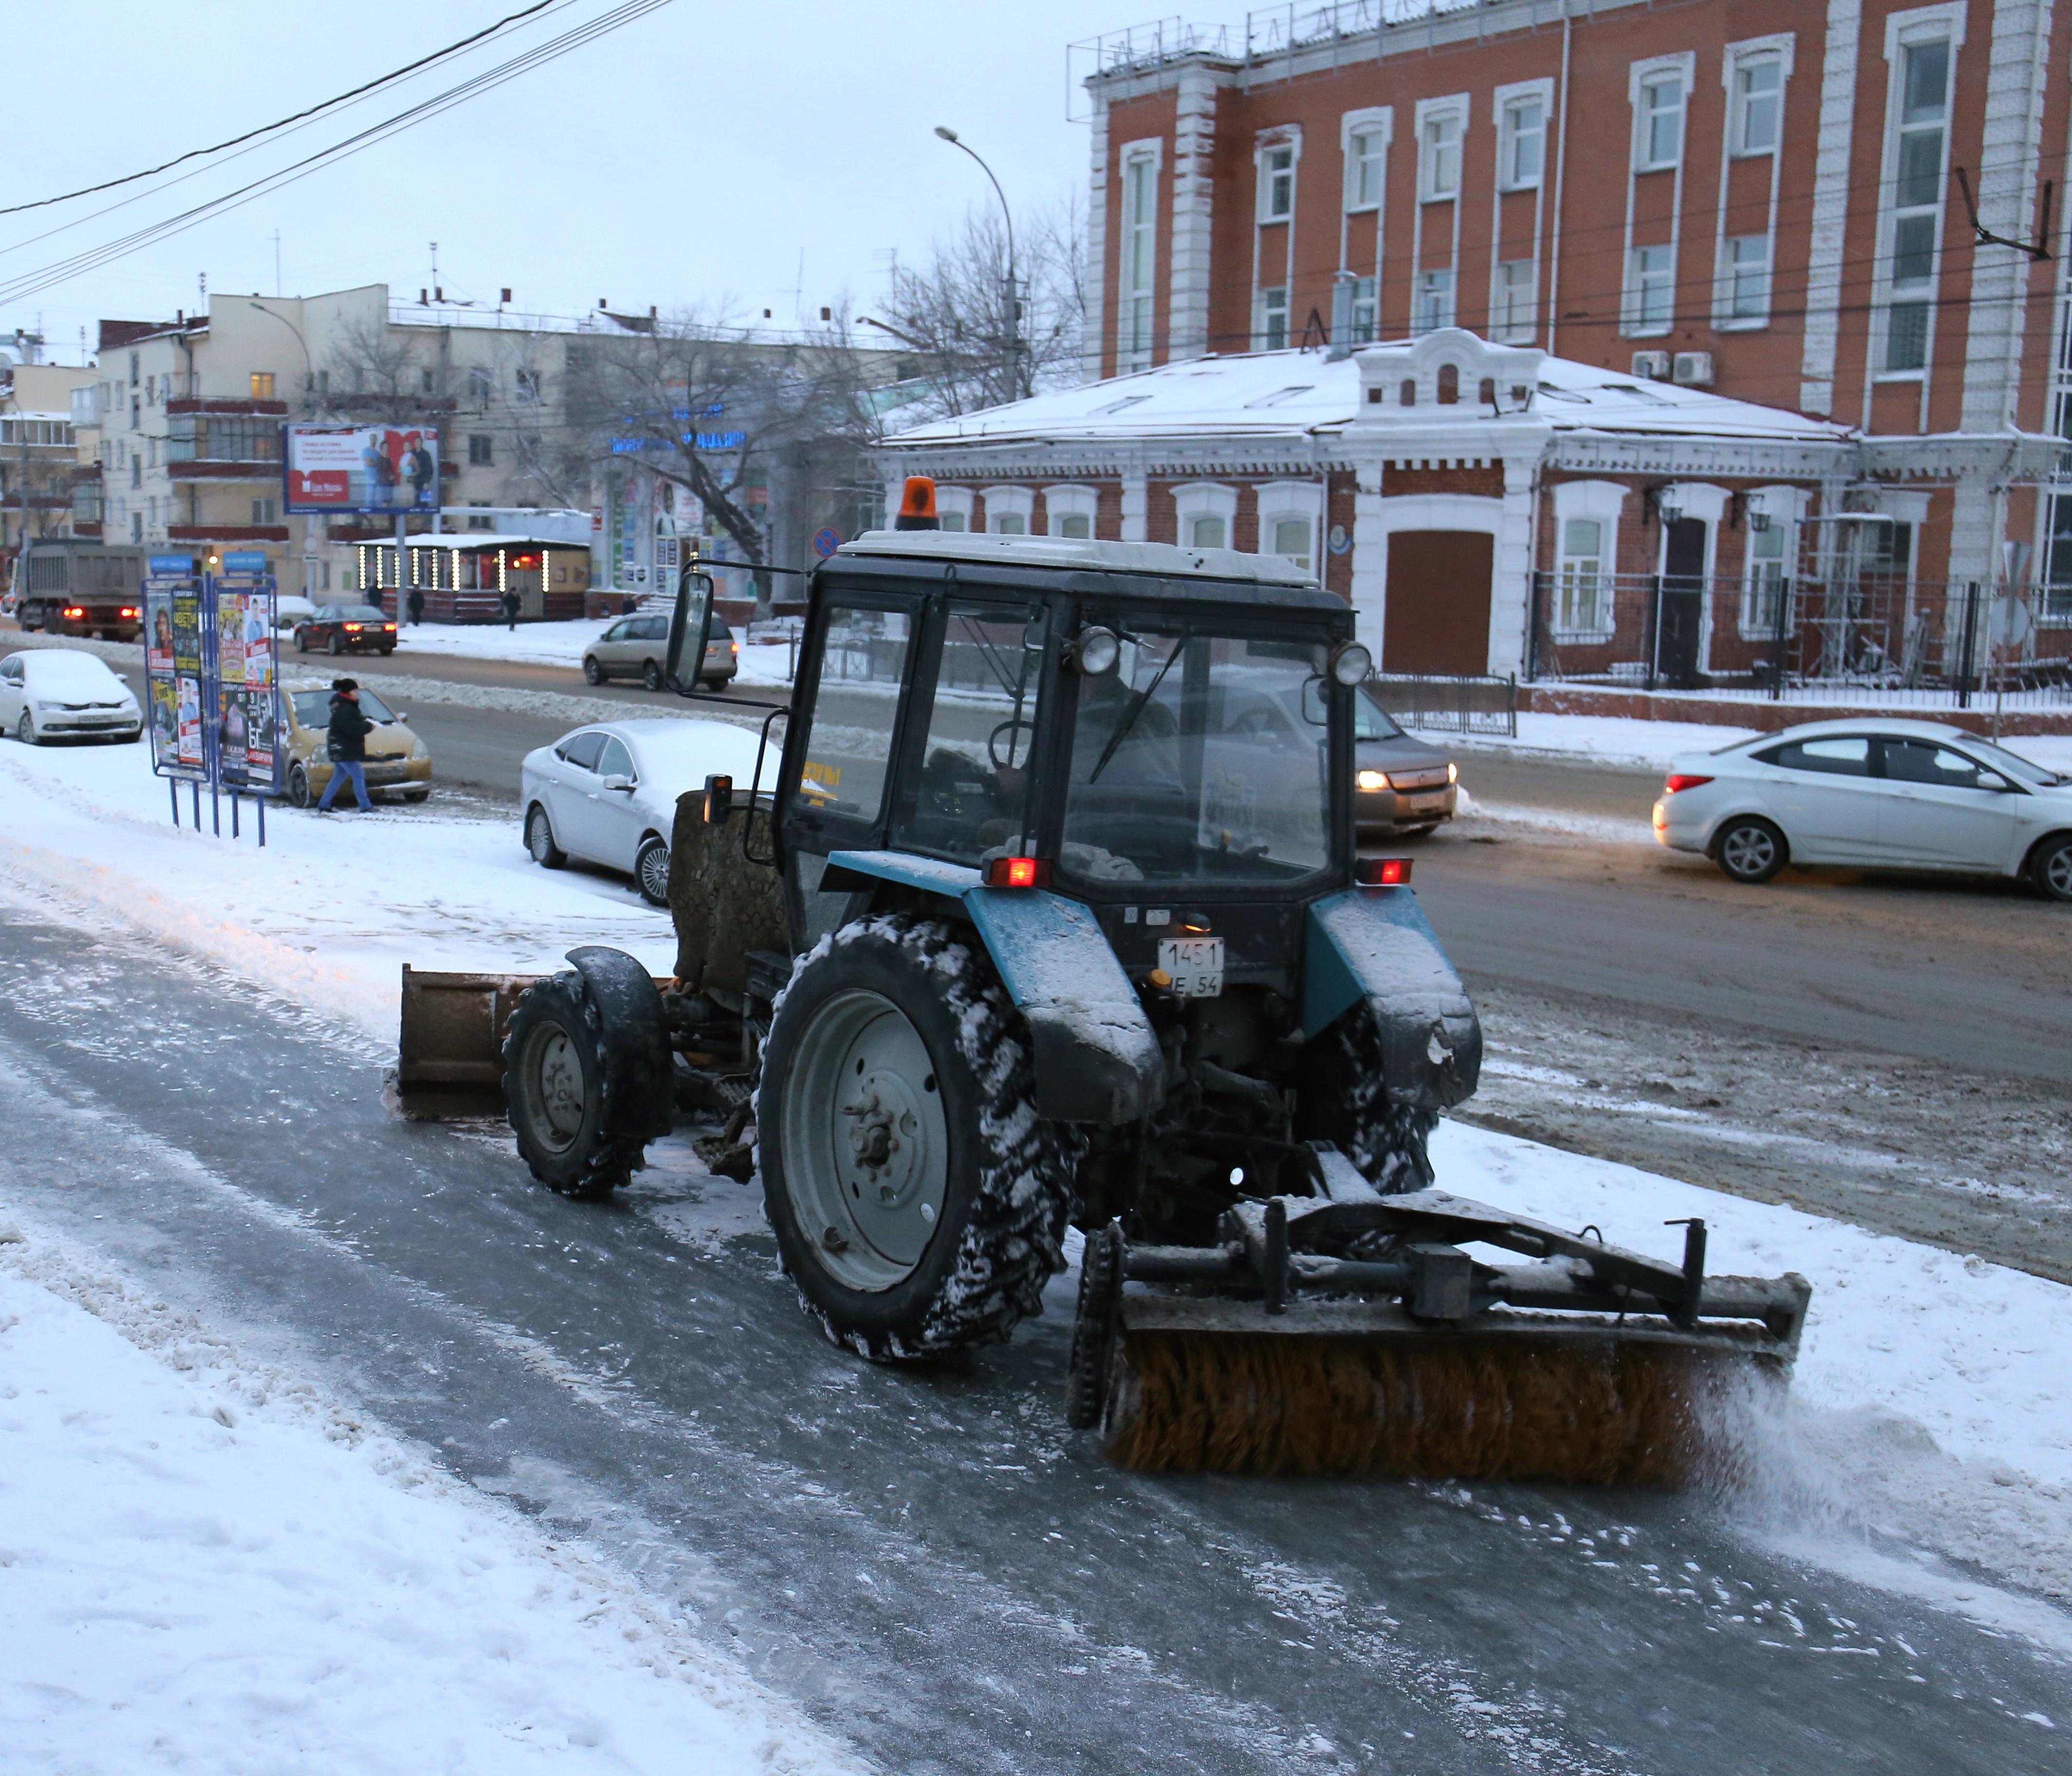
{"x": 1762, "y": 198}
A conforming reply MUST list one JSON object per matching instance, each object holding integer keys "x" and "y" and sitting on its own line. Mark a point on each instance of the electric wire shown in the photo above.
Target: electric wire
{"x": 44, "y": 278}
{"x": 265, "y": 129}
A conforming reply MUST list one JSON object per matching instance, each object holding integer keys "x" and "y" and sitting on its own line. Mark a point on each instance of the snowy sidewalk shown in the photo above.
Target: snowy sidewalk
{"x": 207, "y": 1566}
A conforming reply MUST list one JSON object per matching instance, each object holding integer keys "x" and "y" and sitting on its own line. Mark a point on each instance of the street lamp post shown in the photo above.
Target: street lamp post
{"x": 309, "y": 405}
{"x": 1014, "y": 383}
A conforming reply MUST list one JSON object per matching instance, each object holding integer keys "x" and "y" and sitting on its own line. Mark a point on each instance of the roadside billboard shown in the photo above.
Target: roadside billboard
{"x": 362, "y": 469}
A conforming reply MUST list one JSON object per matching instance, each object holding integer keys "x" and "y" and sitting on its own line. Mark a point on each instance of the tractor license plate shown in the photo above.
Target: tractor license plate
{"x": 1195, "y": 963}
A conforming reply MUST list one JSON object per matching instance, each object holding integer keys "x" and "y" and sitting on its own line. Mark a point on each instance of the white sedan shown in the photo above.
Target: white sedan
{"x": 607, "y": 793}
{"x": 1876, "y": 793}
{"x": 65, "y": 693}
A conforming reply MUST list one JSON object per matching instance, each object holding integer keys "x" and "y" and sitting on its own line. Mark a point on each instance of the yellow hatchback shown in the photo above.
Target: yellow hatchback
{"x": 397, "y": 761}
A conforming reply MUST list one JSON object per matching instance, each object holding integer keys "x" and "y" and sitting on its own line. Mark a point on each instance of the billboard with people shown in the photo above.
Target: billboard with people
{"x": 369, "y": 469}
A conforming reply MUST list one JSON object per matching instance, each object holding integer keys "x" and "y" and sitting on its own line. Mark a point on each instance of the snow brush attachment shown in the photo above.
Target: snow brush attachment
{"x": 1351, "y": 1334}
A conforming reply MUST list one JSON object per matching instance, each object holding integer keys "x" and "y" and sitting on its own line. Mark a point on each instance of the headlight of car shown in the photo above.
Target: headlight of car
{"x": 1373, "y": 779}
{"x": 418, "y": 749}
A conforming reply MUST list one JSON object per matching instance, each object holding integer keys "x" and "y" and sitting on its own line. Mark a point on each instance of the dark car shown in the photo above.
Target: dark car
{"x": 1402, "y": 785}
{"x": 346, "y": 629}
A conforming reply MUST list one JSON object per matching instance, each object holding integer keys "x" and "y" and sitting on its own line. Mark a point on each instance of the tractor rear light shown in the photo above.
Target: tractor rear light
{"x": 1018, "y": 873}
{"x": 1382, "y": 872}
{"x": 1679, "y": 779}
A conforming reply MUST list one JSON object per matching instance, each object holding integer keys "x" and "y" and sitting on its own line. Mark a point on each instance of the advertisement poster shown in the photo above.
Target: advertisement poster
{"x": 212, "y": 665}
{"x": 374, "y": 469}
{"x": 158, "y": 631}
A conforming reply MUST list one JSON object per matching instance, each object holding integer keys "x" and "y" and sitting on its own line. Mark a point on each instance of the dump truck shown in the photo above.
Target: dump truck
{"x": 65, "y": 586}
{"x": 1042, "y": 911}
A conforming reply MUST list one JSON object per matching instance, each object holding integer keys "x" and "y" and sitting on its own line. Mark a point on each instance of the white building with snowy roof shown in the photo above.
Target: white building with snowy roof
{"x": 1488, "y": 508}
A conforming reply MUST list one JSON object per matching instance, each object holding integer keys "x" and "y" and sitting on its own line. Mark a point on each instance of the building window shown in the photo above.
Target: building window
{"x": 481, "y": 385}
{"x": 265, "y": 512}
{"x": 1763, "y": 580}
{"x": 136, "y": 364}
{"x": 1522, "y": 147}
{"x": 1008, "y": 510}
{"x": 1435, "y": 300}
{"x": 1439, "y": 157}
{"x": 1207, "y": 530}
{"x": 527, "y": 385}
{"x": 1069, "y": 510}
{"x": 1651, "y": 290}
{"x": 1367, "y": 160}
{"x": 1658, "y": 132}
{"x": 136, "y": 527}
{"x": 1582, "y": 602}
{"x": 262, "y": 385}
{"x": 1206, "y": 513}
{"x": 1916, "y": 187}
{"x": 1747, "y": 277}
{"x": 1276, "y": 187}
{"x": 1293, "y": 539}
{"x": 1140, "y": 241}
{"x": 1758, "y": 91}
{"x": 1517, "y": 296}
{"x": 481, "y": 450}
{"x": 1366, "y": 310}
{"x": 1273, "y": 318}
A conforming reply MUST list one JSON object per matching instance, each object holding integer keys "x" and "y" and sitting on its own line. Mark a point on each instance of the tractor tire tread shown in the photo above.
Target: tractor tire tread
{"x": 608, "y": 1161}
{"x": 1013, "y": 1242}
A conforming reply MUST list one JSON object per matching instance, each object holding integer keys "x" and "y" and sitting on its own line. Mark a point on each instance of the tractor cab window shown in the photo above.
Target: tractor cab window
{"x": 970, "y": 798}
{"x": 1205, "y": 759}
{"x": 849, "y": 750}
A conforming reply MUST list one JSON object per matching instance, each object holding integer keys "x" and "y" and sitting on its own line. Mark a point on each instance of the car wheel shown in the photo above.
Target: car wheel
{"x": 1750, "y": 850}
{"x": 337, "y": 647}
{"x": 298, "y": 787}
{"x": 592, "y": 673}
{"x": 302, "y": 642}
{"x": 25, "y": 730}
{"x": 539, "y": 839}
{"x": 2051, "y": 868}
{"x": 387, "y": 650}
{"x": 651, "y": 676}
{"x": 651, "y": 870}
{"x": 415, "y": 795}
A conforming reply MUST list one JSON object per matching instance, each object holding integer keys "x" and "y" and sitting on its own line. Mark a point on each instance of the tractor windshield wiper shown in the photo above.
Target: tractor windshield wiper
{"x": 1128, "y": 719}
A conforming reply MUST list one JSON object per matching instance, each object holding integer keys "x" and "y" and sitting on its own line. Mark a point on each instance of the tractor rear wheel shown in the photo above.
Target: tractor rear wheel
{"x": 1342, "y": 1100}
{"x": 919, "y": 1201}
{"x": 557, "y": 1084}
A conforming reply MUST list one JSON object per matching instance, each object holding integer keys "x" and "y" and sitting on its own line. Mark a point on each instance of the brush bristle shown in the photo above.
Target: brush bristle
{"x": 1587, "y": 1411}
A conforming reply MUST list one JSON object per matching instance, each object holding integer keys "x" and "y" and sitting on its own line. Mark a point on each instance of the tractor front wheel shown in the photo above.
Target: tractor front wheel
{"x": 556, "y": 1084}
{"x": 917, "y": 1200}
{"x": 1342, "y": 1099}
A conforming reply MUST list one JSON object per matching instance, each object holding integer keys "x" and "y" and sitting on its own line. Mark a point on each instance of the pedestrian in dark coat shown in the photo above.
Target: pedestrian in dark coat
{"x": 417, "y": 604}
{"x": 346, "y": 742}
{"x": 511, "y": 610}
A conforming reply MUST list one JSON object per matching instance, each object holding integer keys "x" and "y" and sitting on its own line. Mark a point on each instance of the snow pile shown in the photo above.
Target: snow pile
{"x": 530, "y": 644}
{"x": 332, "y": 907}
{"x": 1931, "y": 1403}
{"x": 211, "y": 1566}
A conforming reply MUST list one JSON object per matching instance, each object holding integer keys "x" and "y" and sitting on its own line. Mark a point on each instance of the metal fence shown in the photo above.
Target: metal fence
{"x": 1450, "y": 705}
{"x": 1857, "y": 639}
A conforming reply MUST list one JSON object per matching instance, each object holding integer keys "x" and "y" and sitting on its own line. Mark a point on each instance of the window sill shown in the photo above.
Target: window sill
{"x": 1438, "y": 197}
{"x": 1661, "y": 332}
{"x": 1581, "y": 638}
{"x": 1900, "y": 376}
{"x": 1362, "y": 209}
{"x": 1664, "y": 166}
{"x": 1506, "y": 191}
{"x": 1741, "y": 323}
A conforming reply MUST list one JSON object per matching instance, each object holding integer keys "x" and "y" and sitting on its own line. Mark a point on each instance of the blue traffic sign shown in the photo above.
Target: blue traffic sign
{"x": 826, "y": 541}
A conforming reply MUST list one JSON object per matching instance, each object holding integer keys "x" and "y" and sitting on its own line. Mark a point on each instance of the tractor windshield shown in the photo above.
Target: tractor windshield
{"x": 1204, "y": 759}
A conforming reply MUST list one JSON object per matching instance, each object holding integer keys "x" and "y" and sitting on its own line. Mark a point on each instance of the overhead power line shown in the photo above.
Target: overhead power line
{"x": 30, "y": 283}
{"x": 267, "y": 130}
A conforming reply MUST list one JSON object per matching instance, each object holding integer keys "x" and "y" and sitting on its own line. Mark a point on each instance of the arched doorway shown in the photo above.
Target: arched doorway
{"x": 1437, "y": 610}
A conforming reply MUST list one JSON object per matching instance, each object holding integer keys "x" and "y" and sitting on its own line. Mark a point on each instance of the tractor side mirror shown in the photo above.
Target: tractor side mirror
{"x": 690, "y": 627}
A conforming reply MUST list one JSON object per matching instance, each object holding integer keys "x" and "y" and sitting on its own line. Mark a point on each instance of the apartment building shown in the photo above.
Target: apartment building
{"x": 1772, "y": 200}
{"x": 44, "y": 491}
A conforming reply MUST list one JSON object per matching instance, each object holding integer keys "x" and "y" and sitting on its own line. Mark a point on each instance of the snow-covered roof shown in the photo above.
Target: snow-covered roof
{"x": 1114, "y": 558}
{"x": 473, "y": 539}
{"x": 1284, "y": 394}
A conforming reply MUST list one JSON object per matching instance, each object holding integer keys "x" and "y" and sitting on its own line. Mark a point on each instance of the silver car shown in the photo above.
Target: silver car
{"x": 638, "y": 646}
{"x": 65, "y": 693}
{"x": 1876, "y": 792}
{"x": 607, "y": 793}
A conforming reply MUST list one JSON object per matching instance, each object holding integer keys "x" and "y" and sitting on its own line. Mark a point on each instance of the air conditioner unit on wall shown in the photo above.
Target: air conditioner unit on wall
{"x": 1654, "y": 365}
{"x": 1694, "y": 369}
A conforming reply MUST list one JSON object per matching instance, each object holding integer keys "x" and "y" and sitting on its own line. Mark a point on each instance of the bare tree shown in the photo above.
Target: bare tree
{"x": 705, "y": 404}
{"x": 953, "y": 311}
{"x": 377, "y": 372}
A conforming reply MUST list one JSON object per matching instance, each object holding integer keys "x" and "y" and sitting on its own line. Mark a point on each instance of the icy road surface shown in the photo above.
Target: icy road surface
{"x": 927, "y": 1562}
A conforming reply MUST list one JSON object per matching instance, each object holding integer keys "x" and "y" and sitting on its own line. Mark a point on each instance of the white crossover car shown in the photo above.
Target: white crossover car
{"x": 65, "y": 693}
{"x": 1872, "y": 793}
{"x": 607, "y": 793}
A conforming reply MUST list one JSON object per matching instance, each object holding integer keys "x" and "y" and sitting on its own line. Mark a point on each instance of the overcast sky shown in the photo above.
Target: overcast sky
{"x": 690, "y": 157}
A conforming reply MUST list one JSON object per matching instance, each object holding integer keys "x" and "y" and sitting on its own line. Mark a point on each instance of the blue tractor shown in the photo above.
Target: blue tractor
{"x": 1046, "y": 914}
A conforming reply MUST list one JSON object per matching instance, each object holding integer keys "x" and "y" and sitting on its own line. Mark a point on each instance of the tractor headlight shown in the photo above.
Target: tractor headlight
{"x": 1350, "y": 663}
{"x": 1094, "y": 651}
